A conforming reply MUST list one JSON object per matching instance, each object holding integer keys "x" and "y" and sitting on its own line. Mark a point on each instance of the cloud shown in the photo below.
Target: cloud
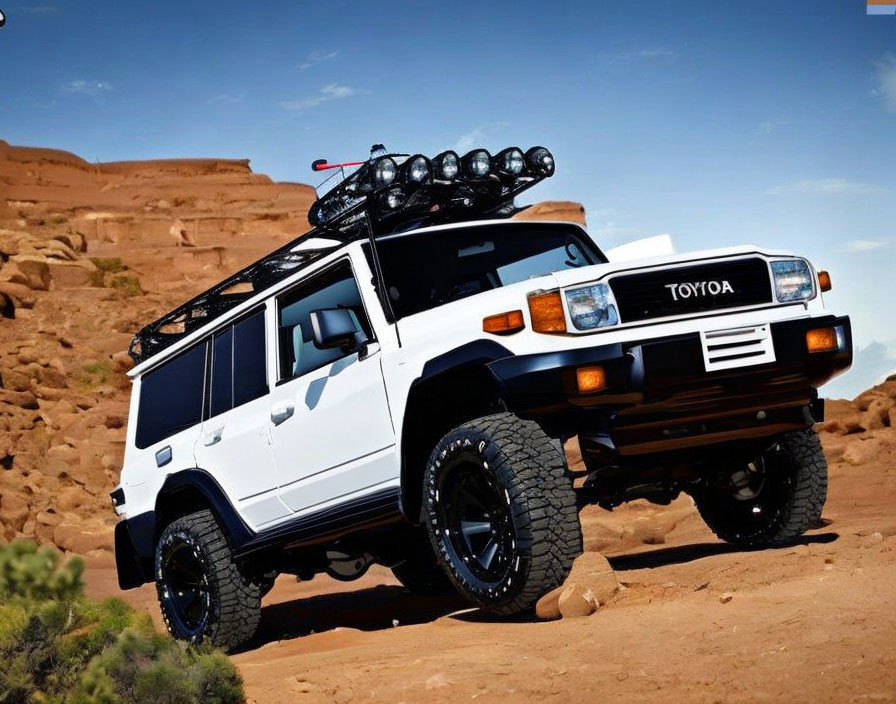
{"x": 334, "y": 91}
{"x": 82, "y": 87}
{"x": 886, "y": 80}
{"x": 766, "y": 127}
{"x": 318, "y": 57}
{"x": 827, "y": 186}
{"x": 479, "y": 134}
{"x": 225, "y": 99}
{"x": 865, "y": 245}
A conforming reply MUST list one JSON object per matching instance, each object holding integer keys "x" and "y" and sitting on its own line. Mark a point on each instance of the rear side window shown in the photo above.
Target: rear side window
{"x": 249, "y": 364}
{"x": 171, "y": 397}
{"x": 222, "y": 373}
{"x": 239, "y": 365}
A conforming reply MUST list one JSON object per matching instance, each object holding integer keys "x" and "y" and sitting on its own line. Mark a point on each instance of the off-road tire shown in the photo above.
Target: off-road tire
{"x": 534, "y": 503}
{"x": 420, "y": 573}
{"x": 231, "y": 608}
{"x": 789, "y": 503}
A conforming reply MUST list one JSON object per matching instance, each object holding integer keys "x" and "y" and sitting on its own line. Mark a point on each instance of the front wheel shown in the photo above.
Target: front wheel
{"x": 501, "y": 512}
{"x": 772, "y": 499}
{"x": 202, "y": 593}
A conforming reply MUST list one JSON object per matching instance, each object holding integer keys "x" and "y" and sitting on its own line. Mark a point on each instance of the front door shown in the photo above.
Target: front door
{"x": 332, "y": 434}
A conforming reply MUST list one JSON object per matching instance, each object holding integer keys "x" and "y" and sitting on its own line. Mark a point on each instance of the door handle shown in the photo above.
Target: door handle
{"x": 281, "y": 412}
{"x": 214, "y": 436}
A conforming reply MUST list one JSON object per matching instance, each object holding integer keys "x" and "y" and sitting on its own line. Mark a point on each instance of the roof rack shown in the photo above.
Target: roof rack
{"x": 387, "y": 194}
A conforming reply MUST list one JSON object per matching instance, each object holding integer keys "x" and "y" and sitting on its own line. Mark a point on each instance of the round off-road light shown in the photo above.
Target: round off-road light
{"x": 446, "y": 165}
{"x": 393, "y": 198}
{"x": 477, "y": 163}
{"x": 417, "y": 169}
{"x": 384, "y": 171}
{"x": 540, "y": 161}
{"x": 510, "y": 162}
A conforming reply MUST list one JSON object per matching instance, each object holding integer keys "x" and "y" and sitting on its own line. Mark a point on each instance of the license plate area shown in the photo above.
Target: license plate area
{"x": 737, "y": 347}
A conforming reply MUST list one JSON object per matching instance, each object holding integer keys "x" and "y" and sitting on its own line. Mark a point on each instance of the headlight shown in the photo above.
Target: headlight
{"x": 446, "y": 165}
{"x": 510, "y": 162}
{"x": 793, "y": 280}
{"x": 478, "y": 163}
{"x": 592, "y": 307}
{"x": 416, "y": 169}
{"x": 540, "y": 161}
{"x": 384, "y": 172}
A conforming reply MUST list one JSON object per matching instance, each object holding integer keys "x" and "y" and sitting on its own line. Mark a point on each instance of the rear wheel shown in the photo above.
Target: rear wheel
{"x": 501, "y": 512}
{"x": 202, "y": 593}
{"x": 771, "y": 500}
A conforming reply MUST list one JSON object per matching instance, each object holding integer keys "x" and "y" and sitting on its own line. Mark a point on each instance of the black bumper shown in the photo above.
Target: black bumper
{"x": 659, "y": 396}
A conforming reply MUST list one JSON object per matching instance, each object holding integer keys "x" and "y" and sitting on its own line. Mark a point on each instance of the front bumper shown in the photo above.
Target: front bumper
{"x": 659, "y": 396}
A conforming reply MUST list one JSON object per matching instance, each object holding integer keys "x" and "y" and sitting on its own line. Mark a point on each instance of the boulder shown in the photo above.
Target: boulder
{"x": 74, "y": 274}
{"x": 548, "y": 607}
{"x": 81, "y": 539}
{"x": 575, "y": 601}
{"x": 862, "y": 452}
{"x": 33, "y": 269}
{"x": 13, "y": 512}
{"x": 591, "y": 583}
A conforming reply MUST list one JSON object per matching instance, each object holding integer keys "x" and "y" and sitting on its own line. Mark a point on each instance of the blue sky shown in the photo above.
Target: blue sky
{"x": 721, "y": 123}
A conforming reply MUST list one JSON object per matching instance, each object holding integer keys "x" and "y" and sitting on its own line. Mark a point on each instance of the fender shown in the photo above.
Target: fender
{"x": 463, "y": 370}
{"x": 475, "y": 352}
{"x": 135, "y": 537}
{"x": 200, "y": 481}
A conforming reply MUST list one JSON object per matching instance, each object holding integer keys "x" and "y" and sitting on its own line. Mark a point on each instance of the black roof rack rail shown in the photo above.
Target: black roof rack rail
{"x": 357, "y": 208}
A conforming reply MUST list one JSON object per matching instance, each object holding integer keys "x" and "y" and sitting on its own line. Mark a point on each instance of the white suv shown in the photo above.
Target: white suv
{"x": 395, "y": 387}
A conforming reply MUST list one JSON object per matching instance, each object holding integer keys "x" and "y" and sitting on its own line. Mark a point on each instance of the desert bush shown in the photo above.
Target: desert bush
{"x": 56, "y": 647}
{"x": 27, "y": 572}
{"x": 128, "y": 284}
{"x": 111, "y": 265}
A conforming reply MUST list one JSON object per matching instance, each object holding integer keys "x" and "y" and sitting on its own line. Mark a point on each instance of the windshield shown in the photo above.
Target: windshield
{"x": 433, "y": 268}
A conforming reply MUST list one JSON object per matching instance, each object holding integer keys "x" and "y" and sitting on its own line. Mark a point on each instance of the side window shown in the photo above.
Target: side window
{"x": 222, "y": 373}
{"x": 239, "y": 367}
{"x": 250, "y": 379}
{"x": 336, "y": 288}
{"x": 171, "y": 397}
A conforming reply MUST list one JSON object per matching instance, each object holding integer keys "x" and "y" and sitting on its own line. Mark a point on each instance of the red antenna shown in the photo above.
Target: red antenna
{"x": 323, "y": 165}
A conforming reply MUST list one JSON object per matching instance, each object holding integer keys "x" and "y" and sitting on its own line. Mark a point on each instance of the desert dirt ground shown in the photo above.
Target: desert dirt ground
{"x": 695, "y": 620}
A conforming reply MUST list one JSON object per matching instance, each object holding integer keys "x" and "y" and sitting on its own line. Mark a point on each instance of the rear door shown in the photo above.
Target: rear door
{"x": 330, "y": 424}
{"x": 168, "y": 408}
{"x": 235, "y": 444}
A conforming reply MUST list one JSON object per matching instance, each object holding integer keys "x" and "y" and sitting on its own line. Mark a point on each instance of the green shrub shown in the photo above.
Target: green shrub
{"x": 128, "y": 284}
{"x": 94, "y": 374}
{"x": 37, "y": 574}
{"x": 110, "y": 265}
{"x": 56, "y": 647}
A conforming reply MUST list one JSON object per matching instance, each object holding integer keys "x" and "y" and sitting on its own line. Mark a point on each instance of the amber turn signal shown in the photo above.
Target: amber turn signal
{"x": 546, "y": 310}
{"x": 824, "y": 280}
{"x": 504, "y": 323}
{"x": 822, "y": 340}
{"x": 590, "y": 379}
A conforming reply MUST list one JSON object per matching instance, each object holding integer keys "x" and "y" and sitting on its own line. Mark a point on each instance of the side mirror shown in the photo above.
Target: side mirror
{"x": 336, "y": 328}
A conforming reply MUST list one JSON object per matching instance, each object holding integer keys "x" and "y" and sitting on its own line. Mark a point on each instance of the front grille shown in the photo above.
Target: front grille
{"x": 692, "y": 289}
